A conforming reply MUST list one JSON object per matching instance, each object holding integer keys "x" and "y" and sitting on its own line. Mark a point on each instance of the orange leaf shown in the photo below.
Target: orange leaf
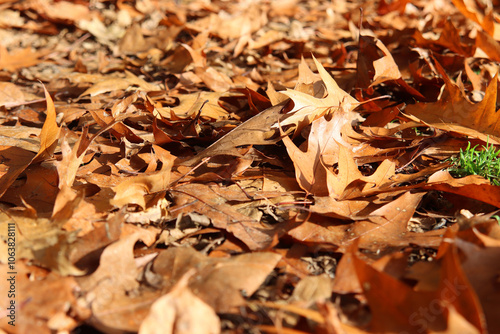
{"x": 50, "y": 132}
{"x": 307, "y": 108}
{"x": 453, "y": 112}
{"x": 311, "y": 173}
{"x": 133, "y": 189}
{"x": 180, "y": 311}
{"x": 385, "y": 67}
{"x": 48, "y": 142}
{"x": 19, "y": 58}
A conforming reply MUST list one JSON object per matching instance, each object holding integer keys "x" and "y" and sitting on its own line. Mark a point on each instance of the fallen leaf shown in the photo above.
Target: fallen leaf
{"x": 109, "y": 291}
{"x": 133, "y": 189}
{"x": 482, "y": 270}
{"x": 20, "y": 58}
{"x": 50, "y": 297}
{"x": 16, "y": 161}
{"x": 50, "y": 132}
{"x": 255, "y": 131}
{"x": 180, "y": 311}
{"x": 453, "y": 109}
{"x": 204, "y": 200}
{"x": 218, "y": 282}
{"x": 307, "y": 108}
{"x": 43, "y": 242}
{"x": 10, "y": 94}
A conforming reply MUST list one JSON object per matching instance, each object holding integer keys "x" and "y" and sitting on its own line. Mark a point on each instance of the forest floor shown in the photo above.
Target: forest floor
{"x": 247, "y": 166}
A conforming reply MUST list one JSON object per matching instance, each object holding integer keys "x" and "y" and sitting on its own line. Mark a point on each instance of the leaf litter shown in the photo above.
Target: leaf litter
{"x": 278, "y": 167}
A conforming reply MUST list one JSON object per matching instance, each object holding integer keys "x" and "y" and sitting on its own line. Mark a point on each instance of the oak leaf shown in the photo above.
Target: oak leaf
{"x": 453, "y": 112}
{"x": 307, "y": 108}
{"x": 180, "y": 312}
{"x": 133, "y": 189}
{"x": 49, "y": 136}
{"x": 20, "y": 58}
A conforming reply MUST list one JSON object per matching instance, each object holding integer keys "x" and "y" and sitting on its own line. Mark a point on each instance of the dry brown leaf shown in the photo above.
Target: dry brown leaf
{"x": 50, "y": 132}
{"x": 201, "y": 104}
{"x": 107, "y": 85}
{"x": 134, "y": 188}
{"x": 215, "y": 80}
{"x": 472, "y": 186}
{"x": 263, "y": 230}
{"x": 342, "y": 209}
{"x": 486, "y": 20}
{"x": 449, "y": 38}
{"x": 310, "y": 171}
{"x": 397, "y": 307}
{"x": 17, "y": 159}
{"x": 218, "y": 282}
{"x": 488, "y": 45}
{"x": 72, "y": 159}
{"x": 205, "y": 200}
{"x": 133, "y": 41}
{"x": 255, "y": 131}
{"x": 307, "y": 108}
{"x": 245, "y": 19}
{"x": 49, "y": 136}
{"x": 110, "y": 289}
{"x": 385, "y": 67}
{"x": 49, "y": 298}
{"x": 63, "y": 11}
{"x": 481, "y": 267}
{"x": 180, "y": 312}
{"x": 23, "y": 137}
{"x": 20, "y": 58}
{"x": 454, "y": 112}
{"x": 375, "y": 233}
{"x": 107, "y": 35}
{"x": 42, "y": 241}
{"x": 313, "y": 289}
{"x": 10, "y": 94}
{"x": 38, "y": 188}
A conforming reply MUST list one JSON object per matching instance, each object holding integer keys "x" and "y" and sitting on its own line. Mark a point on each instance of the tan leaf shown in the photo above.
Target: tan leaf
{"x": 180, "y": 312}
{"x": 107, "y": 288}
{"x": 42, "y": 242}
{"x": 49, "y": 136}
{"x": 255, "y": 131}
{"x": 50, "y": 131}
{"x": 20, "y": 58}
{"x": 308, "y": 108}
{"x": 10, "y": 94}
{"x": 218, "y": 282}
{"x": 453, "y": 112}
{"x": 385, "y": 67}
{"x": 133, "y": 189}
{"x": 72, "y": 159}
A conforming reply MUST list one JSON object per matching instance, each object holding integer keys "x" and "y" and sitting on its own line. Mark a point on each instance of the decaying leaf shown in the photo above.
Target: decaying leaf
{"x": 307, "y": 108}
{"x": 255, "y": 131}
{"x": 249, "y": 166}
{"x": 49, "y": 136}
{"x": 180, "y": 311}
{"x": 453, "y": 112}
{"x": 134, "y": 189}
{"x": 12, "y": 61}
{"x": 52, "y": 304}
{"x": 221, "y": 283}
{"x": 109, "y": 288}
